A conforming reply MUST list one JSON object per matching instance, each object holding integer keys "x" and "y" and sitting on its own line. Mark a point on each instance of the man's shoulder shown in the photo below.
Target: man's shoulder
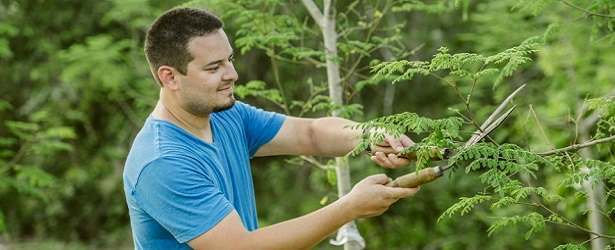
{"x": 158, "y": 144}
{"x": 166, "y": 166}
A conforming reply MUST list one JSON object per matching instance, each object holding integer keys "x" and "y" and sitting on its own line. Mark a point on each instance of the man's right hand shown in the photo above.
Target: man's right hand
{"x": 370, "y": 197}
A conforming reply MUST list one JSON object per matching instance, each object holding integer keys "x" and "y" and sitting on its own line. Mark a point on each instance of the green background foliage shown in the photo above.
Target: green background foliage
{"x": 77, "y": 89}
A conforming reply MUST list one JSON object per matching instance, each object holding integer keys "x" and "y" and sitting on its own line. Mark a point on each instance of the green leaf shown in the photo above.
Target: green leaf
{"x": 415, "y": 5}
{"x": 35, "y": 177}
{"x": 570, "y": 246}
{"x": 60, "y": 133}
{"x": 324, "y": 200}
{"x": 258, "y": 89}
{"x": 5, "y": 105}
{"x": 535, "y": 220}
{"x": 464, "y": 206}
{"x": 332, "y": 176}
{"x": 23, "y": 130}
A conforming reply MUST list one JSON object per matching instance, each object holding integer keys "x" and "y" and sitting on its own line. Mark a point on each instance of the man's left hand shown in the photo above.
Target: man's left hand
{"x": 385, "y": 153}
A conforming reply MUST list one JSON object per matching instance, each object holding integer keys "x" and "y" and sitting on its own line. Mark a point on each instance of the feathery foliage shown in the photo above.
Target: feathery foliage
{"x": 442, "y": 133}
{"x": 461, "y": 66}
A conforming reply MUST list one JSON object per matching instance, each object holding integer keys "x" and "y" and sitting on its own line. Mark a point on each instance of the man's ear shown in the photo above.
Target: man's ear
{"x": 168, "y": 77}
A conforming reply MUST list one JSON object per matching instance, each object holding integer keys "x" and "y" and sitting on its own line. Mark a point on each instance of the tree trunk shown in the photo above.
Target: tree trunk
{"x": 347, "y": 234}
{"x": 595, "y": 193}
{"x": 595, "y": 196}
{"x": 389, "y": 91}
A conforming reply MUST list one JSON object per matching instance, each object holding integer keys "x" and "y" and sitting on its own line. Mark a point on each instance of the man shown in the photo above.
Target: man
{"x": 187, "y": 178}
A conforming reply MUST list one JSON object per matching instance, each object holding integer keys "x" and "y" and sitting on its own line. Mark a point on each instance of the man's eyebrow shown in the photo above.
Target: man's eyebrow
{"x": 219, "y": 61}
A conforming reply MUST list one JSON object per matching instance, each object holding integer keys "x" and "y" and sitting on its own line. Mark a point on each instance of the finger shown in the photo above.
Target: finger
{"x": 406, "y": 141}
{"x": 388, "y": 161}
{"x": 384, "y": 149}
{"x": 378, "y": 179}
{"x": 395, "y": 143}
{"x": 383, "y": 143}
{"x": 398, "y": 192}
{"x": 398, "y": 161}
{"x": 384, "y": 159}
{"x": 377, "y": 160}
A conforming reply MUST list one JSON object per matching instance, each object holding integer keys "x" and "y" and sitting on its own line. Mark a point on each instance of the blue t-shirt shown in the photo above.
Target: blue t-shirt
{"x": 178, "y": 187}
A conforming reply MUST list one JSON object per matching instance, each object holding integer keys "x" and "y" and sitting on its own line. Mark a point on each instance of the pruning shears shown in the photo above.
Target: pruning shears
{"x": 426, "y": 175}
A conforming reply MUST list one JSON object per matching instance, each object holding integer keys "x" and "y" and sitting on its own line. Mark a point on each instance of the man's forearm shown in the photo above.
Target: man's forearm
{"x": 303, "y": 232}
{"x": 333, "y": 136}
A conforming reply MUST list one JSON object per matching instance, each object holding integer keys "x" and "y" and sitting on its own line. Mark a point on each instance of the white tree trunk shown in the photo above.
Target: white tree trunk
{"x": 595, "y": 196}
{"x": 595, "y": 192}
{"x": 348, "y": 234}
{"x": 389, "y": 91}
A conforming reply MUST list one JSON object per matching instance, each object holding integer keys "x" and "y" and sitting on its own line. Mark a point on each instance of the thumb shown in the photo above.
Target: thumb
{"x": 378, "y": 179}
{"x": 399, "y": 192}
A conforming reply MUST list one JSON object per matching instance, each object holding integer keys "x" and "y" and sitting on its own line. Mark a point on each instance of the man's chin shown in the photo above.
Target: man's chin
{"x": 225, "y": 106}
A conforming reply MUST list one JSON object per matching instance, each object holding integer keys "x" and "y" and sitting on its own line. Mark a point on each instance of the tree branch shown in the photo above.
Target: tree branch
{"x": 314, "y": 12}
{"x": 566, "y": 221}
{"x": 578, "y": 146}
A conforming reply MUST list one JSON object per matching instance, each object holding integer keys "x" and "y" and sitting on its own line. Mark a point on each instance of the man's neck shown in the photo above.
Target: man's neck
{"x": 169, "y": 111}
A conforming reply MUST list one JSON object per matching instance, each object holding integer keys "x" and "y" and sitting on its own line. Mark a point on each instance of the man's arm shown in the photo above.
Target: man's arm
{"x": 330, "y": 136}
{"x": 368, "y": 198}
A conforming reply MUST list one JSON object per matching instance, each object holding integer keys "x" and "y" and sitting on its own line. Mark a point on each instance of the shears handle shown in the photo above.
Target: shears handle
{"x": 416, "y": 179}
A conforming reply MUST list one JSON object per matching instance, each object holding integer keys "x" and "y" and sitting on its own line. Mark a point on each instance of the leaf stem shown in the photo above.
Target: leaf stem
{"x": 466, "y": 105}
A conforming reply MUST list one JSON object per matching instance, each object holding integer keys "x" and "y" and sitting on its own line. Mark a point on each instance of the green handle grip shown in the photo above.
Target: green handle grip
{"x": 416, "y": 179}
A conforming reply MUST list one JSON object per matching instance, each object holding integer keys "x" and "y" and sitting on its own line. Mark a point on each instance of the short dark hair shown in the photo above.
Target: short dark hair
{"x": 166, "y": 41}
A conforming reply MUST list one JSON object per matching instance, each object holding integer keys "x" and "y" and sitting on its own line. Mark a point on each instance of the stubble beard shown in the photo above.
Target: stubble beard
{"x": 204, "y": 109}
{"x": 226, "y": 106}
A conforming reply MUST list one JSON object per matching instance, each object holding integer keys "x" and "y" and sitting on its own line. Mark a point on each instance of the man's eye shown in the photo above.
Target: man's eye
{"x": 212, "y": 69}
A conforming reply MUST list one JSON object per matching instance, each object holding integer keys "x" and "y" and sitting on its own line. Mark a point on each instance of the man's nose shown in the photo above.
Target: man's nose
{"x": 230, "y": 74}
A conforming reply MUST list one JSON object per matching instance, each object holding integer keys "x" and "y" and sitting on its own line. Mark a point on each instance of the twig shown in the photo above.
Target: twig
{"x": 20, "y": 153}
{"x": 313, "y": 161}
{"x": 586, "y": 123}
{"x": 578, "y": 146}
{"x": 542, "y": 131}
{"x": 276, "y": 76}
{"x": 574, "y": 224}
{"x": 474, "y": 80}
{"x": 471, "y": 118}
{"x": 308, "y": 60}
{"x": 590, "y": 239}
{"x": 370, "y": 31}
{"x": 589, "y": 12}
{"x": 567, "y": 222}
{"x": 128, "y": 112}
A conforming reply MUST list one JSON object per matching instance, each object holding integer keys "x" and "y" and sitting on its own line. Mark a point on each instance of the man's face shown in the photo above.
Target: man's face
{"x": 208, "y": 84}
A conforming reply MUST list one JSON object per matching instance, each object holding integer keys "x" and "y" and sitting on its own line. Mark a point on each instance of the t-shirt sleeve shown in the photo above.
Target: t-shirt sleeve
{"x": 181, "y": 197}
{"x": 260, "y": 126}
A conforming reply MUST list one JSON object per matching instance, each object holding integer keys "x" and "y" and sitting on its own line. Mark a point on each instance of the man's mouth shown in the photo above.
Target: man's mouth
{"x": 227, "y": 89}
